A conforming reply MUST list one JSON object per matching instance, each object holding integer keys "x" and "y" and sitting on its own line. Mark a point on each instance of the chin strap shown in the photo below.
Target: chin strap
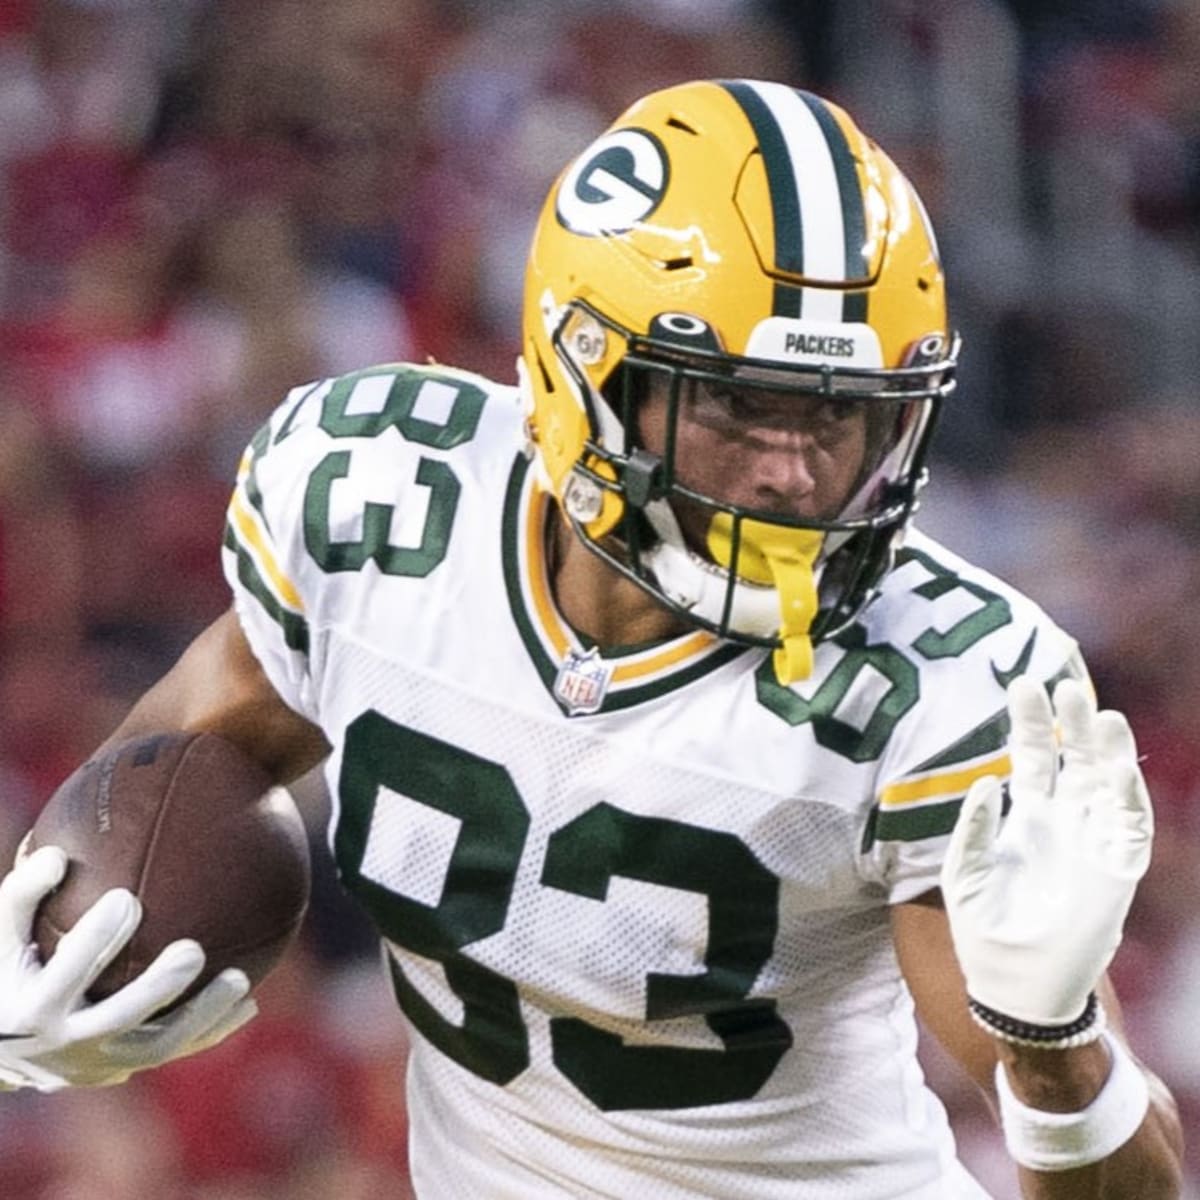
{"x": 784, "y": 558}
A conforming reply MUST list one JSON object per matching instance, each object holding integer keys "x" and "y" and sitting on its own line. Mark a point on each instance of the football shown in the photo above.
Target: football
{"x": 193, "y": 827}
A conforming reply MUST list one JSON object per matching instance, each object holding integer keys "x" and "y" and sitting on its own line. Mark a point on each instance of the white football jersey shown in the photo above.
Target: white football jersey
{"x": 635, "y": 904}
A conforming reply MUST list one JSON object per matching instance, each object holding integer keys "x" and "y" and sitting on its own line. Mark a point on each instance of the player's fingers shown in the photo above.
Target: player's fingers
{"x": 33, "y": 878}
{"x": 1031, "y": 740}
{"x": 212, "y": 1005}
{"x": 216, "y": 1011}
{"x": 1130, "y": 821}
{"x": 151, "y": 1046}
{"x": 240, "y": 1014}
{"x": 86, "y": 949}
{"x": 1076, "y": 711}
{"x": 971, "y": 847}
{"x": 164, "y": 980}
{"x": 1113, "y": 739}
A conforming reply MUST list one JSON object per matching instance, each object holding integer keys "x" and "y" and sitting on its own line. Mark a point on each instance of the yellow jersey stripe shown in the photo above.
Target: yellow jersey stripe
{"x": 667, "y": 657}
{"x": 625, "y": 671}
{"x": 248, "y": 531}
{"x": 948, "y": 783}
{"x": 539, "y": 583}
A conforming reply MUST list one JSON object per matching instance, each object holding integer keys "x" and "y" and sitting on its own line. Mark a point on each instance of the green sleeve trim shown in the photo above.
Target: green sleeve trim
{"x": 293, "y": 625}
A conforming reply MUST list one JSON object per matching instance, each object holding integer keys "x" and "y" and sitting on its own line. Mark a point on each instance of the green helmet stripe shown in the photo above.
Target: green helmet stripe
{"x": 785, "y": 200}
{"x": 806, "y": 162}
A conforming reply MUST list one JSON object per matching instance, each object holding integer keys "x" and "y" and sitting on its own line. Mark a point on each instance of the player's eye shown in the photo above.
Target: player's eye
{"x": 739, "y": 405}
{"x": 733, "y": 404}
{"x": 834, "y": 412}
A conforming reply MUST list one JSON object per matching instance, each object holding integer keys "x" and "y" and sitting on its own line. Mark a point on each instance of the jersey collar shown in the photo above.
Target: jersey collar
{"x": 582, "y": 679}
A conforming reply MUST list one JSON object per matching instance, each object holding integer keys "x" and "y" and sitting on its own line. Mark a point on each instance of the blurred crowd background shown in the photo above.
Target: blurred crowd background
{"x": 205, "y": 202}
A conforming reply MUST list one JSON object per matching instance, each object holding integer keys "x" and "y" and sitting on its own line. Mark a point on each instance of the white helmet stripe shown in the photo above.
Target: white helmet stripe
{"x": 815, "y": 181}
{"x": 815, "y": 200}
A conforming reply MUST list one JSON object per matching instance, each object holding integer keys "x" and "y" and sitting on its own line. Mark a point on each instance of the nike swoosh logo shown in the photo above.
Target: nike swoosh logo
{"x": 12, "y": 1037}
{"x": 1003, "y": 677}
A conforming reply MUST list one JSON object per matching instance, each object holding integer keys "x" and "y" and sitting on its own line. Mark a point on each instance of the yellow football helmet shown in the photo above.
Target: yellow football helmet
{"x": 734, "y": 235}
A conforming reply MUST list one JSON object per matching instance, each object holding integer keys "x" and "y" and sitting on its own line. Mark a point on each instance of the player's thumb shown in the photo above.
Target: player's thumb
{"x": 970, "y": 850}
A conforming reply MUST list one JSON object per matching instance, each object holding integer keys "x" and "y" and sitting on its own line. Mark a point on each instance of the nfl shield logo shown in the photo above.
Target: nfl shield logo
{"x": 582, "y": 681}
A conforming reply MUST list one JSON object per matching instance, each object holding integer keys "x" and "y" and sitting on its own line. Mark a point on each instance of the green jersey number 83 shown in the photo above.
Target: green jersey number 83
{"x": 382, "y": 758}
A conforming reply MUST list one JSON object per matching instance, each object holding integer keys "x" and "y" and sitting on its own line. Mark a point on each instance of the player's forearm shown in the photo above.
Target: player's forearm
{"x": 1148, "y": 1165}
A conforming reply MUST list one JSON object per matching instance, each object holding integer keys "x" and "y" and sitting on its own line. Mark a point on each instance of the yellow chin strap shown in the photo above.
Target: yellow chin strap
{"x": 786, "y": 558}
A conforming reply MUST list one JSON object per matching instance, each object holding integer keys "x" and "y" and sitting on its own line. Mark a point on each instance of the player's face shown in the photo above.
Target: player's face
{"x": 777, "y": 452}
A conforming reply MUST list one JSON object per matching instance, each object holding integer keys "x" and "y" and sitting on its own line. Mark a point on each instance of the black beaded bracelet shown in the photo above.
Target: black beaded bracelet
{"x": 1087, "y": 1027}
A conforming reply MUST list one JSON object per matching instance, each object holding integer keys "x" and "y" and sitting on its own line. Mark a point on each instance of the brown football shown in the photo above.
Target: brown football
{"x": 191, "y": 825}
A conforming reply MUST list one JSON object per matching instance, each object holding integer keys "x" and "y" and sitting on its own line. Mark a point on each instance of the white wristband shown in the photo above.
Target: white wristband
{"x": 1052, "y": 1141}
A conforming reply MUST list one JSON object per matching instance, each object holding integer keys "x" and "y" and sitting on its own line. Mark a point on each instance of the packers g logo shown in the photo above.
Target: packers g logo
{"x": 616, "y": 182}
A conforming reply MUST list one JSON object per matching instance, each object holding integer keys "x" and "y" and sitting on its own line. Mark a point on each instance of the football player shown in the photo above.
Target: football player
{"x": 679, "y": 773}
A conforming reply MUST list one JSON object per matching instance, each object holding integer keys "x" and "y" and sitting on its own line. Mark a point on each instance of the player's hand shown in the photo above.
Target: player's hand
{"x": 51, "y": 1037}
{"x": 1036, "y": 907}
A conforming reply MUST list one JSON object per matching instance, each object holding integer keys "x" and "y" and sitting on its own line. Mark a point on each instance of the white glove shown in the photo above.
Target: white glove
{"x": 51, "y": 1037}
{"x": 1036, "y": 908}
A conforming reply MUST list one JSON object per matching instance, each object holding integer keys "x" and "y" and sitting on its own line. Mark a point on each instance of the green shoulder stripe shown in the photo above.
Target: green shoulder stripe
{"x": 911, "y": 825}
{"x": 919, "y": 821}
{"x": 293, "y": 625}
{"x": 990, "y": 736}
{"x": 259, "y": 445}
